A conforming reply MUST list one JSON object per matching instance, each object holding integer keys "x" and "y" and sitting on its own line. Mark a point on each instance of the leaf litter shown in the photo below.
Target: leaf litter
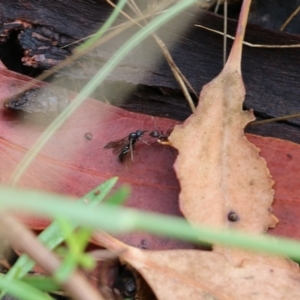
{"x": 86, "y": 161}
{"x": 224, "y": 183}
{"x": 233, "y": 189}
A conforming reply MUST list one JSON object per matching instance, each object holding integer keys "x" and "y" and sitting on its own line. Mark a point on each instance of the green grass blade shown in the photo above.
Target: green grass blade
{"x": 76, "y": 242}
{"x": 22, "y": 290}
{"x": 43, "y": 283}
{"x": 117, "y": 219}
{"x": 67, "y": 267}
{"x": 108, "y": 23}
{"x": 52, "y": 235}
{"x": 119, "y": 197}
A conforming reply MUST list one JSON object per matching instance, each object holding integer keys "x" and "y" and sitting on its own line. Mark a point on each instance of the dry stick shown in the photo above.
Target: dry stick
{"x": 290, "y": 18}
{"x": 19, "y": 236}
{"x": 105, "y": 254}
{"x": 112, "y": 28}
{"x": 176, "y": 71}
{"x": 181, "y": 79}
{"x": 224, "y": 28}
{"x": 261, "y": 46}
{"x": 217, "y": 6}
{"x": 283, "y": 118}
{"x": 225, "y": 33}
{"x": 247, "y": 43}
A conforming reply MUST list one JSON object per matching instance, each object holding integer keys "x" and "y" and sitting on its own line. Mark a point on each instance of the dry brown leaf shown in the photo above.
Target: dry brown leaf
{"x": 221, "y": 172}
{"x": 224, "y": 182}
{"x": 193, "y": 274}
{"x": 190, "y": 274}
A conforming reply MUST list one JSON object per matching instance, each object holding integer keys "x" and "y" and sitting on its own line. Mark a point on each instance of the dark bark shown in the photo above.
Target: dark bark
{"x": 142, "y": 82}
{"x": 272, "y": 14}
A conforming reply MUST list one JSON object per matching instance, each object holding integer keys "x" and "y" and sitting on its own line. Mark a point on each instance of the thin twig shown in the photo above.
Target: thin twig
{"x": 105, "y": 254}
{"x": 225, "y": 34}
{"x": 271, "y": 120}
{"x": 111, "y": 29}
{"x": 217, "y": 6}
{"x": 19, "y": 236}
{"x": 250, "y": 44}
{"x": 289, "y": 19}
{"x": 181, "y": 79}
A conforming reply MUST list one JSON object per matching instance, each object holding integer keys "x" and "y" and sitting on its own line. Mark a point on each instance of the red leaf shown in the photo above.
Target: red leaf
{"x": 71, "y": 164}
{"x": 283, "y": 160}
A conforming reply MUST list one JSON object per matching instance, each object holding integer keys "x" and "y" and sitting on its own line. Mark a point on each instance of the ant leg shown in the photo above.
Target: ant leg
{"x": 131, "y": 150}
{"x": 145, "y": 142}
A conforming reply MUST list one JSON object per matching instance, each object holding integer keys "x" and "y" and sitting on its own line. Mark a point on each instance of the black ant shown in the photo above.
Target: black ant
{"x": 162, "y": 138}
{"x": 126, "y": 145}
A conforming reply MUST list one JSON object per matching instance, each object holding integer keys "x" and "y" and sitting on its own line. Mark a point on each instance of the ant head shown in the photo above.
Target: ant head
{"x": 136, "y": 135}
{"x": 132, "y": 135}
{"x": 140, "y": 133}
{"x": 154, "y": 134}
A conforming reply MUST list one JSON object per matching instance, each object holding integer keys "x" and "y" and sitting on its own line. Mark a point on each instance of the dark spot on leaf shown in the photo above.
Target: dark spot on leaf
{"x": 144, "y": 244}
{"x": 88, "y": 136}
{"x": 233, "y": 217}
